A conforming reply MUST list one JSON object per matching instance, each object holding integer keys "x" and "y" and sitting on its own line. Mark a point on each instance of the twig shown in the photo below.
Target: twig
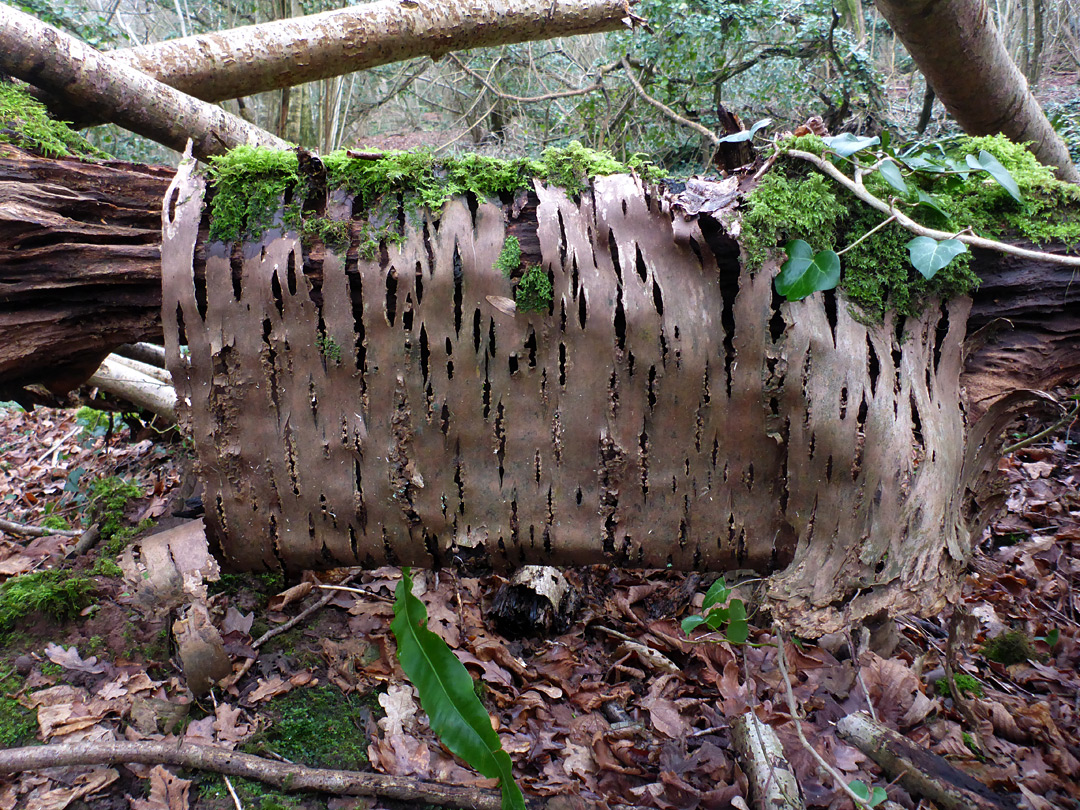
{"x": 361, "y": 591}
{"x": 531, "y": 99}
{"x": 232, "y": 792}
{"x": 1042, "y": 434}
{"x": 35, "y": 531}
{"x": 793, "y": 710}
{"x": 858, "y": 672}
{"x": 702, "y": 130}
{"x": 869, "y": 233}
{"x": 234, "y": 763}
{"x": 825, "y": 167}
{"x": 87, "y": 540}
{"x": 55, "y": 446}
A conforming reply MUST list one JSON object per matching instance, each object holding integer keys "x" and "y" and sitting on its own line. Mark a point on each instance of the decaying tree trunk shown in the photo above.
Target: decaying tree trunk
{"x": 668, "y": 409}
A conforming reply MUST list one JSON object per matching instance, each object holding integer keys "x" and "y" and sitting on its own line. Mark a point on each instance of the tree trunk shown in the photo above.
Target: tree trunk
{"x": 284, "y": 53}
{"x": 88, "y": 81}
{"x": 960, "y": 51}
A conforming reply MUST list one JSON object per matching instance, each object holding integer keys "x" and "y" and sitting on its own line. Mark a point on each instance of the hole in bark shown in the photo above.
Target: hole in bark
{"x": 391, "y": 296}
{"x": 643, "y": 462}
{"x": 514, "y": 524}
{"x": 916, "y": 423}
{"x": 581, "y": 309}
{"x": 313, "y": 399}
{"x": 425, "y": 353}
{"x": 657, "y": 298}
{"x": 562, "y": 364}
{"x": 784, "y": 494}
{"x": 486, "y": 395}
{"x": 728, "y": 291}
{"x": 512, "y": 363}
{"x": 843, "y": 402}
{"x": 476, "y": 331}
{"x": 613, "y": 394}
{"x": 354, "y": 542}
{"x": 874, "y": 365}
{"x": 941, "y": 333}
{"x": 474, "y": 206}
{"x": 748, "y": 479}
{"x": 181, "y": 331}
{"x": 538, "y": 466}
{"x": 449, "y": 369}
{"x": 418, "y": 282}
{"x": 562, "y": 315}
{"x": 236, "y": 271}
{"x": 200, "y": 296}
{"x": 828, "y": 469}
{"x": 574, "y": 279}
{"x": 459, "y": 480}
{"x": 444, "y": 419}
{"x": 829, "y": 301}
{"x": 578, "y": 497}
{"x": 652, "y": 387}
{"x": 356, "y": 298}
{"x": 275, "y": 291}
{"x": 407, "y": 314}
{"x": 500, "y": 439}
{"x": 491, "y": 336}
{"x": 620, "y": 326}
{"x": 613, "y": 249}
{"x": 458, "y": 283}
{"x": 715, "y": 452}
{"x": 777, "y": 324}
{"x": 562, "y": 239}
{"x": 631, "y": 361}
{"x": 624, "y": 208}
{"x": 530, "y": 345}
{"x": 290, "y": 272}
{"x": 639, "y": 264}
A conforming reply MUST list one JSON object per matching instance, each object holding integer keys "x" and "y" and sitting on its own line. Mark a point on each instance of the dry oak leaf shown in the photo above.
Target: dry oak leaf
{"x": 84, "y": 786}
{"x": 167, "y": 792}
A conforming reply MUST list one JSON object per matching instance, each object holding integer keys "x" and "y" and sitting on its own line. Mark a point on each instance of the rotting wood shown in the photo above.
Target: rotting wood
{"x": 773, "y": 785}
{"x": 920, "y": 772}
{"x": 130, "y": 384}
{"x": 286, "y": 776}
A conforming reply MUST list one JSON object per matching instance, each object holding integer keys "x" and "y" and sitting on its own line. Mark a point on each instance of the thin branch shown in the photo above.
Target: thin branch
{"x": 1042, "y": 434}
{"x": 233, "y": 763}
{"x": 869, "y": 233}
{"x": 530, "y": 99}
{"x": 35, "y": 531}
{"x": 825, "y": 167}
{"x": 666, "y": 110}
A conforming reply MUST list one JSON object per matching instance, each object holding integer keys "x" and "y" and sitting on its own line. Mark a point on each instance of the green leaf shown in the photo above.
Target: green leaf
{"x": 891, "y": 172}
{"x": 717, "y": 618}
{"x": 691, "y": 623}
{"x": 931, "y": 202}
{"x": 988, "y": 163}
{"x": 447, "y": 694}
{"x": 846, "y": 144}
{"x": 738, "y": 632}
{"x": 718, "y": 592}
{"x": 878, "y": 796}
{"x": 746, "y": 134}
{"x": 806, "y": 272}
{"x": 859, "y": 788}
{"x": 929, "y": 255}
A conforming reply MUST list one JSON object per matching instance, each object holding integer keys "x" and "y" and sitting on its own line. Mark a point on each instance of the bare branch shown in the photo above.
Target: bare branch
{"x": 704, "y": 131}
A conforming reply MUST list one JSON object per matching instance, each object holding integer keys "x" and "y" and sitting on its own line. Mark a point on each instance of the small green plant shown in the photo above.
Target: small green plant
{"x": 109, "y": 498}
{"x": 534, "y": 292}
{"x": 56, "y": 594}
{"x": 321, "y": 727}
{"x": 972, "y": 745}
{"x": 18, "y": 724}
{"x": 55, "y": 522}
{"x": 722, "y": 614}
{"x": 965, "y": 685}
{"x": 328, "y": 348}
{"x": 1051, "y": 639}
{"x": 510, "y": 257}
{"x": 871, "y": 798}
{"x": 1010, "y": 647}
{"x": 95, "y": 423}
{"x": 448, "y": 695}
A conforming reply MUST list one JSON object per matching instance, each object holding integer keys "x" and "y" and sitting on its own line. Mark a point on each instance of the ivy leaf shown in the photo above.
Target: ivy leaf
{"x": 873, "y": 799}
{"x": 931, "y": 202}
{"x": 746, "y": 134}
{"x": 988, "y": 163}
{"x": 806, "y": 272}
{"x": 929, "y": 255}
{"x": 718, "y": 592}
{"x": 891, "y": 172}
{"x": 717, "y": 618}
{"x": 846, "y": 144}
{"x": 691, "y": 623}
{"x": 454, "y": 711}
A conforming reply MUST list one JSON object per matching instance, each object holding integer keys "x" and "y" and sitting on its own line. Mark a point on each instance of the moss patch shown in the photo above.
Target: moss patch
{"x": 534, "y": 292}
{"x": 249, "y": 184}
{"x": 796, "y": 202}
{"x": 1010, "y": 647}
{"x": 510, "y": 257}
{"x": 321, "y": 727}
{"x": 24, "y": 122}
{"x": 965, "y": 685}
{"x": 56, "y": 594}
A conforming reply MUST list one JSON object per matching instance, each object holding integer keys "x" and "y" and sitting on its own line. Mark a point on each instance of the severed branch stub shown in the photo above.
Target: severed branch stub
{"x": 286, "y": 776}
{"x": 919, "y": 771}
{"x": 773, "y": 785}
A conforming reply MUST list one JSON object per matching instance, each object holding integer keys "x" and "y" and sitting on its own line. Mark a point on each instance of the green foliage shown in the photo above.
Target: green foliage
{"x": 571, "y": 167}
{"x": 510, "y": 257}
{"x": 332, "y": 232}
{"x": 871, "y": 798}
{"x": 1010, "y": 647}
{"x": 930, "y": 255}
{"x": 55, "y": 522}
{"x": 321, "y": 727}
{"x": 534, "y": 292}
{"x": 806, "y": 272}
{"x": 249, "y": 184}
{"x": 447, "y": 694}
{"x": 721, "y": 614}
{"x": 59, "y": 595}
{"x": 328, "y": 348}
{"x": 965, "y": 685}
{"x": 18, "y": 724}
{"x": 94, "y": 423}
{"x": 108, "y": 499}
{"x": 25, "y": 122}
{"x": 791, "y": 206}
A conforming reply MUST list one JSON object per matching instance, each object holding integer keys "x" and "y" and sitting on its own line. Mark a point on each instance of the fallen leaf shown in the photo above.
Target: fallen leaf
{"x": 167, "y": 792}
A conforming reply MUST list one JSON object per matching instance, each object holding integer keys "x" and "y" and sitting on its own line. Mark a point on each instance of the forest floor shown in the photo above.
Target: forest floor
{"x": 589, "y": 716}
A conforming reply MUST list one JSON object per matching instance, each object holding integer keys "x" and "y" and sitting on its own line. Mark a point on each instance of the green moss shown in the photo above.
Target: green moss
{"x": 56, "y": 594}
{"x": 534, "y": 292}
{"x": 109, "y": 498}
{"x": 965, "y": 685}
{"x": 1010, "y": 647}
{"x": 782, "y": 207}
{"x": 571, "y": 167}
{"x": 24, "y": 122}
{"x": 321, "y": 727}
{"x": 332, "y": 232}
{"x": 249, "y": 184}
{"x": 105, "y": 566}
{"x": 56, "y": 522}
{"x": 510, "y": 257}
{"x": 328, "y": 348}
{"x": 18, "y": 724}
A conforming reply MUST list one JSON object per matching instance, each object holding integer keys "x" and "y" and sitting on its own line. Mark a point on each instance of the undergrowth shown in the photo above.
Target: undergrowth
{"x": 58, "y": 595}
{"x": 24, "y": 122}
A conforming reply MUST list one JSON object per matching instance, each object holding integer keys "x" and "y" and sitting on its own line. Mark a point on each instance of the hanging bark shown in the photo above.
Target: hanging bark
{"x": 963, "y": 57}
{"x": 91, "y": 83}
{"x": 284, "y": 53}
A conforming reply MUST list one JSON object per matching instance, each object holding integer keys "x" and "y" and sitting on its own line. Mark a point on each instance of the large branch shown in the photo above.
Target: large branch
{"x": 96, "y": 85}
{"x": 251, "y": 59}
{"x": 960, "y": 51}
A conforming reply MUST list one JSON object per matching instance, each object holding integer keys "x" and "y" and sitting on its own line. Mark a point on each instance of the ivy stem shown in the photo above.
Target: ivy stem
{"x": 869, "y": 233}
{"x": 825, "y": 167}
